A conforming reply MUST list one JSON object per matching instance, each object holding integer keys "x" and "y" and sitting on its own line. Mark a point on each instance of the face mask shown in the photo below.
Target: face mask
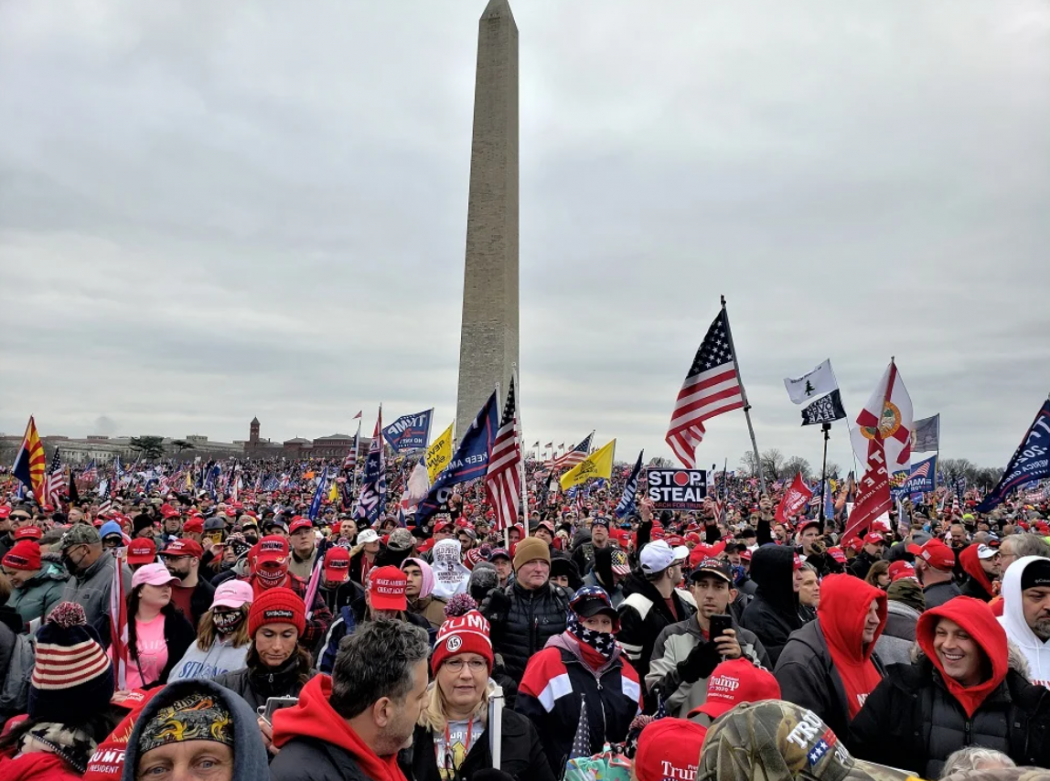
{"x": 227, "y": 622}
{"x": 272, "y": 577}
{"x": 71, "y": 566}
{"x": 602, "y": 642}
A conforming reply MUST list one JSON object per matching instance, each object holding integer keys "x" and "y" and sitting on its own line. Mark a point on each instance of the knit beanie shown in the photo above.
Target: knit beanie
{"x": 25, "y": 555}
{"x": 465, "y": 631}
{"x": 529, "y": 549}
{"x": 72, "y": 674}
{"x": 277, "y": 606}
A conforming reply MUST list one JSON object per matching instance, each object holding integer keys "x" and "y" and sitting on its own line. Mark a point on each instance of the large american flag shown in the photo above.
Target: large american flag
{"x": 56, "y": 481}
{"x": 712, "y": 386}
{"x": 574, "y": 456}
{"x": 503, "y": 476}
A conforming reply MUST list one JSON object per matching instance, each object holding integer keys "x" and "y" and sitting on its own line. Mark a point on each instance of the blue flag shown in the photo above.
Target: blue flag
{"x": 372, "y": 498}
{"x": 315, "y": 505}
{"x": 829, "y": 501}
{"x": 630, "y": 491}
{"x": 409, "y": 432}
{"x": 470, "y": 461}
{"x": 920, "y": 479}
{"x": 1031, "y": 460}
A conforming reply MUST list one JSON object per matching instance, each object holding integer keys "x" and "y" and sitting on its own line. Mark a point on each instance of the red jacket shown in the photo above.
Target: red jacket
{"x": 37, "y": 766}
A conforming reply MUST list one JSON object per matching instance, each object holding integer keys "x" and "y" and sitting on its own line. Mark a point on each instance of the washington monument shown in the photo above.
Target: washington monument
{"x": 488, "y": 346}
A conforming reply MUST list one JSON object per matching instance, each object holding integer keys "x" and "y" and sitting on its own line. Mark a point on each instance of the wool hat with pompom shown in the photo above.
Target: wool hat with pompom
{"x": 465, "y": 631}
{"x": 71, "y": 674}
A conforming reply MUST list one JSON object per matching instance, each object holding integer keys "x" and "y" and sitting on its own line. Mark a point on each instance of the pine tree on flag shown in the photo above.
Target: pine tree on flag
{"x": 503, "y": 476}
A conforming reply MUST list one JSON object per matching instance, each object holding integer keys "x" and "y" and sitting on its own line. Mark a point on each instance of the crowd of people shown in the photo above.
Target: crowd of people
{"x": 182, "y": 636}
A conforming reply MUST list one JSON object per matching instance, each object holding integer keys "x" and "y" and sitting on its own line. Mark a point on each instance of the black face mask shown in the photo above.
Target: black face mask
{"x": 227, "y": 622}
{"x": 67, "y": 561}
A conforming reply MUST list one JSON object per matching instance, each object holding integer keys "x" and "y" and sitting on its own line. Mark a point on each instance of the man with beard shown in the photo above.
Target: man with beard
{"x": 91, "y": 576}
{"x": 1026, "y": 613}
{"x": 193, "y": 595}
{"x": 583, "y": 555}
{"x": 814, "y": 551}
{"x": 271, "y": 571}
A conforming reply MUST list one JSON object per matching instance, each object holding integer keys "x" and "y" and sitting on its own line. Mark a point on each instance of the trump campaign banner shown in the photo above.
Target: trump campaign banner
{"x": 409, "y": 432}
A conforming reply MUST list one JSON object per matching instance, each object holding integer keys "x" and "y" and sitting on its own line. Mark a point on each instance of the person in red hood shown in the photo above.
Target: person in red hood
{"x": 829, "y": 665}
{"x": 961, "y": 692}
{"x": 981, "y": 565}
{"x": 352, "y": 725}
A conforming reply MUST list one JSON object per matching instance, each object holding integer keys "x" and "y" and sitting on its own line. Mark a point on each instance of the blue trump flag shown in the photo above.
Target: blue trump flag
{"x": 373, "y": 482}
{"x": 315, "y": 505}
{"x": 409, "y": 432}
{"x": 920, "y": 479}
{"x": 470, "y": 461}
{"x": 630, "y": 491}
{"x": 1031, "y": 460}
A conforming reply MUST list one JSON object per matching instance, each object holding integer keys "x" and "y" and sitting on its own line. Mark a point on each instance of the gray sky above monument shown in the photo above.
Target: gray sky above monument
{"x": 210, "y": 212}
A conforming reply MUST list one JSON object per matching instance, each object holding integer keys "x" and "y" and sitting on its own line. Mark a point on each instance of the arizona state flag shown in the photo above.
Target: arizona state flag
{"x": 30, "y": 464}
{"x": 597, "y": 464}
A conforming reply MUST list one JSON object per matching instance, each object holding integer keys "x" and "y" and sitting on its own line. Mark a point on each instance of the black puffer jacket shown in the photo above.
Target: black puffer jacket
{"x": 257, "y": 685}
{"x": 911, "y": 721}
{"x": 773, "y": 613}
{"x": 523, "y": 621}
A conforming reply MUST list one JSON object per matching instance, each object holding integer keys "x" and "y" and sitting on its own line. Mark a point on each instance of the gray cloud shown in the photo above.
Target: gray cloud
{"x": 210, "y": 212}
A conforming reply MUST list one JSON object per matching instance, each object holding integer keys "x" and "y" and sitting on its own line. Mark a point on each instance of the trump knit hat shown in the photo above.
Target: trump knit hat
{"x": 71, "y": 673}
{"x": 462, "y": 634}
{"x": 25, "y": 555}
{"x": 277, "y": 605}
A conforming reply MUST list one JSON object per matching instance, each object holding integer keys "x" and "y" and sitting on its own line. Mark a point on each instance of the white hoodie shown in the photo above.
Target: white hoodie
{"x": 450, "y": 576}
{"x": 1018, "y": 632}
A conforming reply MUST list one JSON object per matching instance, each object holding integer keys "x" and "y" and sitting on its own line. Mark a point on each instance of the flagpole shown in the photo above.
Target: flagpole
{"x": 826, "y": 428}
{"x": 516, "y": 383}
{"x": 743, "y": 395}
{"x": 357, "y": 457}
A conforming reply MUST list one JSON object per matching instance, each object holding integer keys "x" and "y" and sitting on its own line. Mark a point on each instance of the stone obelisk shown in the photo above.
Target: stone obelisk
{"x": 488, "y": 345}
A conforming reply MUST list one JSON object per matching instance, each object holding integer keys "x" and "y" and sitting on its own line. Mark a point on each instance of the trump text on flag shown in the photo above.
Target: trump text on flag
{"x": 677, "y": 489}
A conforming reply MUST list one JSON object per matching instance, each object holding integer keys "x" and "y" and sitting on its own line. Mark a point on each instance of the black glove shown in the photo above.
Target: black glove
{"x": 497, "y": 605}
{"x": 700, "y": 663}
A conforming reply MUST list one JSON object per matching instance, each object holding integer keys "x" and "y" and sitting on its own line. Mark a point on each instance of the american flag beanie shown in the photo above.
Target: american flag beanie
{"x": 71, "y": 673}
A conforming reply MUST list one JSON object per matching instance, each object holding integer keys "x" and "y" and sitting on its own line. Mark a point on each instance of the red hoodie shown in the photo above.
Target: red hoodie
{"x": 975, "y": 617}
{"x": 971, "y": 565}
{"x": 843, "y": 610}
{"x": 313, "y": 717}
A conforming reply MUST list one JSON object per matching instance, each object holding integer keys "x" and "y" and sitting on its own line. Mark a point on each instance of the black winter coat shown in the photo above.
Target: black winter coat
{"x": 644, "y": 615}
{"x": 178, "y": 637}
{"x": 911, "y": 721}
{"x": 310, "y": 759}
{"x": 773, "y": 613}
{"x": 522, "y": 754}
{"x": 862, "y": 564}
{"x": 200, "y": 600}
{"x": 257, "y": 685}
{"x": 807, "y": 677}
{"x": 523, "y": 621}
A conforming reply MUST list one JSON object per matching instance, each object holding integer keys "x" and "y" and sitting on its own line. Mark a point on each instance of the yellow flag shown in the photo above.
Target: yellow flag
{"x": 333, "y": 494}
{"x": 439, "y": 454}
{"x": 597, "y": 464}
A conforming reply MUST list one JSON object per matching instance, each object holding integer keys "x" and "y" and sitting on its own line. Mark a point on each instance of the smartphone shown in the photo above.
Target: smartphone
{"x": 274, "y": 704}
{"x": 719, "y": 625}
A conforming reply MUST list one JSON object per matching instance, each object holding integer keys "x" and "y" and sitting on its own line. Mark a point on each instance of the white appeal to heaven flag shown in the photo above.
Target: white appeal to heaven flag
{"x": 812, "y": 384}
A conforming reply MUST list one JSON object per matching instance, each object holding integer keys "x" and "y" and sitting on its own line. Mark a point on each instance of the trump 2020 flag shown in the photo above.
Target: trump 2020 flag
{"x": 373, "y": 485}
{"x": 927, "y": 435}
{"x": 812, "y": 384}
{"x": 315, "y": 505}
{"x": 409, "y": 432}
{"x": 1030, "y": 462}
{"x": 630, "y": 491}
{"x": 824, "y": 410}
{"x": 469, "y": 463}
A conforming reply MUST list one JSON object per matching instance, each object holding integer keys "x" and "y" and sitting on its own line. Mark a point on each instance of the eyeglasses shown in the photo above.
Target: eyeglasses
{"x": 475, "y": 665}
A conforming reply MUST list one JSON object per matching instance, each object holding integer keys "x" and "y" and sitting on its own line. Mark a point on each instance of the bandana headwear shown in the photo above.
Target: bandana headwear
{"x": 227, "y": 621}
{"x": 602, "y": 642}
{"x": 196, "y": 717}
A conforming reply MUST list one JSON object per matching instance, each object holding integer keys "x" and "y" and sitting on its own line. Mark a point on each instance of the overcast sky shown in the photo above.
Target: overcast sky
{"x": 210, "y": 211}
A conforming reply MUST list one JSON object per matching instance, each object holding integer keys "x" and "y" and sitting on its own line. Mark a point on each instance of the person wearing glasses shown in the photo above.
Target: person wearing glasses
{"x": 452, "y": 738}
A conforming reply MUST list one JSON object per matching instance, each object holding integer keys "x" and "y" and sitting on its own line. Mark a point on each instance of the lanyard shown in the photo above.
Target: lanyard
{"x": 449, "y": 764}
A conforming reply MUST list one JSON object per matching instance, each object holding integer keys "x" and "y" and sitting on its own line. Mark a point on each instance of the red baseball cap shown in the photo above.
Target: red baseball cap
{"x": 797, "y": 563}
{"x": 873, "y": 538}
{"x": 28, "y": 533}
{"x": 273, "y": 549}
{"x": 299, "y": 522}
{"x": 169, "y": 512}
{"x": 668, "y": 748}
{"x": 5, "y": 512}
{"x": 901, "y": 569}
{"x": 193, "y": 525}
{"x": 337, "y": 565}
{"x": 837, "y": 554}
{"x": 386, "y": 589}
{"x": 734, "y": 682}
{"x": 142, "y": 551}
{"x": 935, "y": 553}
{"x": 182, "y": 547}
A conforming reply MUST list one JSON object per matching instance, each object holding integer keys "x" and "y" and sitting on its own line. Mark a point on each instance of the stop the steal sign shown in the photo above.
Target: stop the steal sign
{"x": 677, "y": 489}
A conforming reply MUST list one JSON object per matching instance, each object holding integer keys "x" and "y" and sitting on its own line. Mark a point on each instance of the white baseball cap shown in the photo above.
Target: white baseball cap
{"x": 368, "y": 535}
{"x": 986, "y": 552}
{"x": 658, "y": 556}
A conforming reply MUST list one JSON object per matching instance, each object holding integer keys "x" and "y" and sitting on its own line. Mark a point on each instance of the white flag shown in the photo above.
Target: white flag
{"x": 888, "y": 411}
{"x": 813, "y": 384}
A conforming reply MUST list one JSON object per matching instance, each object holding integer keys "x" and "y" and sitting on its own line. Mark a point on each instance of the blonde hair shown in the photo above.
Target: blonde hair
{"x": 434, "y": 716}
{"x": 207, "y": 632}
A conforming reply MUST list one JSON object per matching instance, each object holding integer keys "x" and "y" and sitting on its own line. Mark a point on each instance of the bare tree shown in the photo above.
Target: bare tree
{"x": 773, "y": 464}
{"x": 661, "y": 462}
{"x": 796, "y": 465}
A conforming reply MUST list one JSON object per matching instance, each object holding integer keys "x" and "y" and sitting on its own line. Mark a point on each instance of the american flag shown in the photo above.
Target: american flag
{"x": 574, "y": 456}
{"x": 923, "y": 470}
{"x": 107, "y": 498}
{"x": 56, "y": 481}
{"x": 548, "y": 446}
{"x": 503, "y": 476}
{"x": 90, "y": 475}
{"x": 581, "y": 742}
{"x": 712, "y": 386}
{"x": 350, "y": 462}
{"x": 118, "y": 626}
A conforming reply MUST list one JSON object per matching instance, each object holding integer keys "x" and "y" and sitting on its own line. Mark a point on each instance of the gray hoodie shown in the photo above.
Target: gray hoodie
{"x": 249, "y": 755}
{"x": 1035, "y": 651}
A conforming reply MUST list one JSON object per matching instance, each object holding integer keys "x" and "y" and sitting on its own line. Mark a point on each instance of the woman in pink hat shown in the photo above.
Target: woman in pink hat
{"x": 158, "y": 633}
{"x": 222, "y": 637}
